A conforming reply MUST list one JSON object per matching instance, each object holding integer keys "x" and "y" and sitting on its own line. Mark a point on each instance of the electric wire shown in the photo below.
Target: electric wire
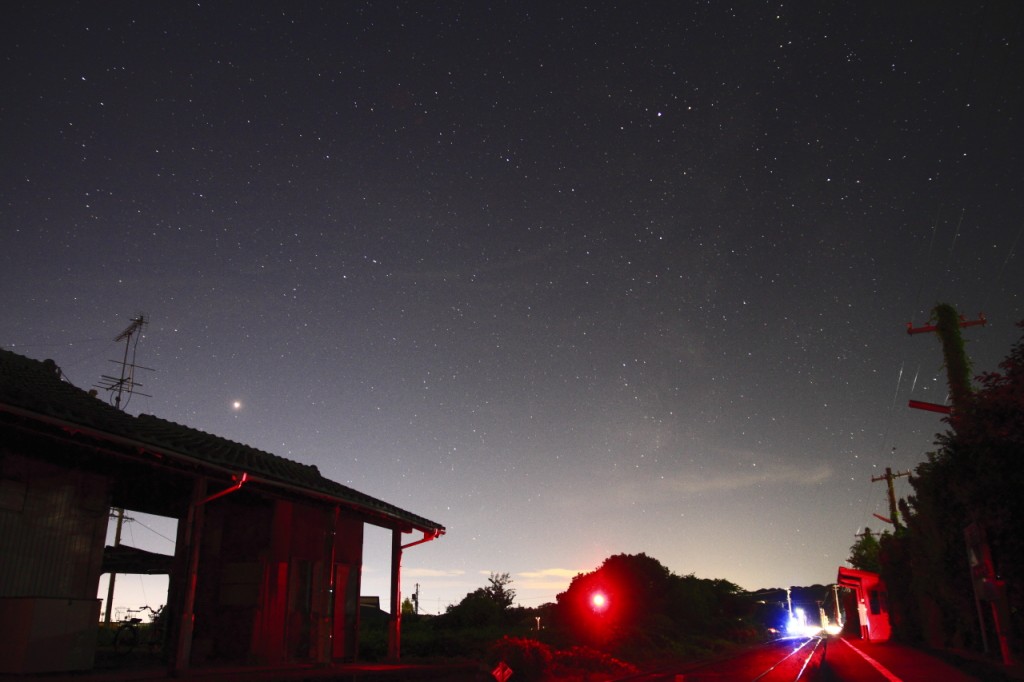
{"x": 154, "y": 532}
{"x": 998, "y": 276}
{"x": 134, "y": 543}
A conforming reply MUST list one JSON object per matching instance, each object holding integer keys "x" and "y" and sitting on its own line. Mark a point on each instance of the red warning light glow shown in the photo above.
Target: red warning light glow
{"x": 599, "y": 601}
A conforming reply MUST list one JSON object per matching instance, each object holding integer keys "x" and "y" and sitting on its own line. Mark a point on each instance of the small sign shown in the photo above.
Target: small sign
{"x": 502, "y": 672}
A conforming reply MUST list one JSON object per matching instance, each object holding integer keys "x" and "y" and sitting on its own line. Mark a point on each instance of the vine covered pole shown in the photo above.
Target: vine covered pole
{"x": 947, "y": 325}
{"x": 958, "y": 367}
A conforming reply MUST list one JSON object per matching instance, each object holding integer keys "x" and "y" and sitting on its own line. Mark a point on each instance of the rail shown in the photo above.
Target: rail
{"x": 785, "y": 660}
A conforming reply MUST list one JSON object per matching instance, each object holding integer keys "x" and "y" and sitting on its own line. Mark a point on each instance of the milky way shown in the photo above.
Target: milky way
{"x": 571, "y": 279}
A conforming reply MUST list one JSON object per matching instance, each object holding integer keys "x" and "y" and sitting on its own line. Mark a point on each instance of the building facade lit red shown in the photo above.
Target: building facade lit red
{"x": 268, "y": 556}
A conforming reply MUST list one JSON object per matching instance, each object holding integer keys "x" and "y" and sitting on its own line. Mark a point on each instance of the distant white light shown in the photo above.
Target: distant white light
{"x": 798, "y": 625}
{"x": 236, "y": 405}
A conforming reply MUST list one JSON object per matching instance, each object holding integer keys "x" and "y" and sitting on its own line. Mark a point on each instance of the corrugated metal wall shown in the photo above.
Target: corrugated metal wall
{"x": 53, "y": 524}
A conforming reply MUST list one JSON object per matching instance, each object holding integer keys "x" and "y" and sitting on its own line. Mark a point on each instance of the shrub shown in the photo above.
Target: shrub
{"x": 582, "y": 659}
{"x": 528, "y": 658}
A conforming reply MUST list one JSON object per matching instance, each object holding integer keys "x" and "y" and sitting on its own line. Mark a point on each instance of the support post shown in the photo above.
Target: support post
{"x": 194, "y": 536}
{"x": 325, "y": 629}
{"x": 113, "y": 575}
{"x": 395, "y": 624}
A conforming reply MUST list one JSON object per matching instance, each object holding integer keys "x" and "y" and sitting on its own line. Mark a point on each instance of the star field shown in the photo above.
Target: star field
{"x": 572, "y": 279}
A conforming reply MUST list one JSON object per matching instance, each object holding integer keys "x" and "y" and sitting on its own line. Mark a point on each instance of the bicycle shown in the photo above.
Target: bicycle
{"x": 130, "y": 631}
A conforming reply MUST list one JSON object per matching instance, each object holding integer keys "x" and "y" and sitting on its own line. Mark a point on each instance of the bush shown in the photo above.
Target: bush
{"x": 528, "y": 658}
{"x": 582, "y": 659}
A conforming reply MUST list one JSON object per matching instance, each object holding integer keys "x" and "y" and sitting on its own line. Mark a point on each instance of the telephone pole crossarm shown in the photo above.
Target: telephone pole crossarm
{"x": 911, "y": 329}
{"x": 930, "y": 407}
{"x": 889, "y": 477}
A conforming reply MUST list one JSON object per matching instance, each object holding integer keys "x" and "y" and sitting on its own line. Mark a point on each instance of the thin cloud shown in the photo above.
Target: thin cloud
{"x": 551, "y": 573}
{"x": 550, "y": 580}
{"x": 742, "y": 477}
{"x": 691, "y": 484}
{"x": 432, "y": 573}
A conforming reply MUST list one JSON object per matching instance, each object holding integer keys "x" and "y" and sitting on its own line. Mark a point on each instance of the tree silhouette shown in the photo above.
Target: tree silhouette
{"x": 498, "y": 590}
{"x": 974, "y": 479}
{"x": 864, "y": 553}
{"x": 644, "y": 609}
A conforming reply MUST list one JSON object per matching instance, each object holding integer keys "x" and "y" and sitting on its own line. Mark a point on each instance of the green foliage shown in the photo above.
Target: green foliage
{"x": 591, "y": 663}
{"x": 657, "y": 616}
{"x": 532, "y": 660}
{"x": 373, "y": 639}
{"x": 975, "y": 477}
{"x": 467, "y": 629}
{"x": 528, "y": 658}
{"x": 651, "y": 612}
{"x": 485, "y": 606}
{"x": 958, "y": 368}
{"x": 498, "y": 590}
{"x": 864, "y": 553}
{"x": 477, "y": 609}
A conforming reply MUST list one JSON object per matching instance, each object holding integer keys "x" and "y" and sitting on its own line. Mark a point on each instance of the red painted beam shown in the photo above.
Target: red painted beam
{"x": 931, "y": 407}
{"x": 982, "y": 320}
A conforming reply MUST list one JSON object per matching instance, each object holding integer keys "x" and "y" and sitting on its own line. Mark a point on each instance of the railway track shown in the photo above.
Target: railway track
{"x": 796, "y": 659}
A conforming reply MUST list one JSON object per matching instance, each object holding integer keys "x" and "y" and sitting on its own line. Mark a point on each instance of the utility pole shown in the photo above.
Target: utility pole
{"x": 958, "y": 368}
{"x": 988, "y": 587}
{"x": 110, "y": 583}
{"x": 118, "y": 386}
{"x": 889, "y": 476}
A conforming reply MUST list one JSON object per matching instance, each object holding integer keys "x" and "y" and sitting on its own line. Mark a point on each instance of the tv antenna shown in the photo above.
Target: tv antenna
{"x": 126, "y": 384}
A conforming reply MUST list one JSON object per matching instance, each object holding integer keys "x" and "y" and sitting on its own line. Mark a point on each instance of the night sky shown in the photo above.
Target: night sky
{"x": 571, "y": 279}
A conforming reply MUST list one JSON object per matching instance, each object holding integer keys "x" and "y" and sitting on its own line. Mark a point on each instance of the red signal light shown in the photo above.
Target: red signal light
{"x": 599, "y": 601}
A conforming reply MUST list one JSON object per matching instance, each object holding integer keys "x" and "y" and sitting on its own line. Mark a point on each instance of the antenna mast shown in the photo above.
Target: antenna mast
{"x": 126, "y": 382}
{"x": 119, "y": 386}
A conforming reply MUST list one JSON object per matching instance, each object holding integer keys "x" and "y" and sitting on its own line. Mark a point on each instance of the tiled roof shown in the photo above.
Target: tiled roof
{"x": 222, "y": 452}
{"x": 36, "y": 388}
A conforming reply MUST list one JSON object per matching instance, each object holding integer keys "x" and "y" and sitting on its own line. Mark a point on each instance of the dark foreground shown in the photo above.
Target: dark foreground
{"x": 143, "y": 671}
{"x": 836, "y": 659}
{"x": 808, "y": 659}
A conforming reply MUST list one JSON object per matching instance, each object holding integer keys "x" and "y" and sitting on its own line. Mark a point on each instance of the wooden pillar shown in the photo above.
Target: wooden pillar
{"x": 347, "y": 562}
{"x": 193, "y": 540}
{"x": 271, "y": 628}
{"x": 395, "y": 624}
{"x": 325, "y": 610}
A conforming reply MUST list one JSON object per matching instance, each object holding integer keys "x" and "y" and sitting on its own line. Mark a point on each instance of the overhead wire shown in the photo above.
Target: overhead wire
{"x": 924, "y": 271}
{"x": 990, "y": 289}
{"x": 997, "y": 278}
{"x": 1001, "y": 79}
